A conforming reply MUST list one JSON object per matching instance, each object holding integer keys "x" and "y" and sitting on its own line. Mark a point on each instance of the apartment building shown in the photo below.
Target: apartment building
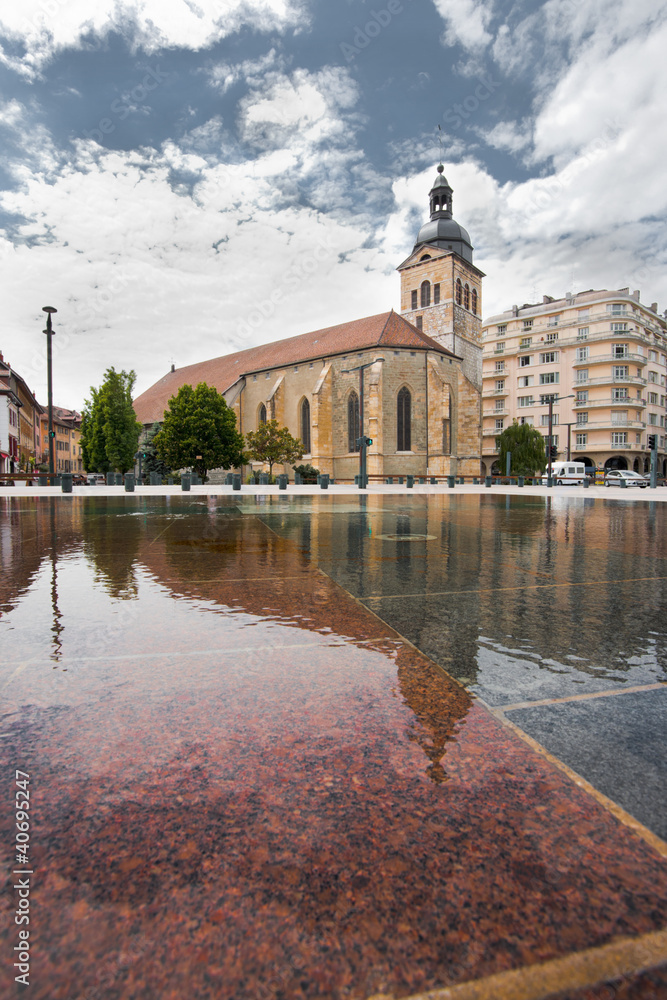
{"x": 67, "y": 428}
{"x": 600, "y": 356}
{"x": 19, "y": 422}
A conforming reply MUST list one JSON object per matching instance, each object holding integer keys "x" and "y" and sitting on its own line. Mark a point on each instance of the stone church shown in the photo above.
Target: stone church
{"x": 422, "y": 387}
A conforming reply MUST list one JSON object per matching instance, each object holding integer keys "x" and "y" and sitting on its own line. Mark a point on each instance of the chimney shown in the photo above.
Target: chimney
{"x": 515, "y": 310}
{"x": 173, "y": 368}
{"x": 635, "y": 296}
{"x": 654, "y": 307}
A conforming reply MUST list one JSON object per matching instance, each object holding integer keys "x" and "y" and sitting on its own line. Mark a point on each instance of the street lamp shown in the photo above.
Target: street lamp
{"x": 49, "y": 371}
{"x": 551, "y": 415}
{"x": 362, "y": 440}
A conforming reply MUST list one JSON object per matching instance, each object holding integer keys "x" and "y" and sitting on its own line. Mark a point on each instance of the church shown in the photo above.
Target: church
{"x": 419, "y": 391}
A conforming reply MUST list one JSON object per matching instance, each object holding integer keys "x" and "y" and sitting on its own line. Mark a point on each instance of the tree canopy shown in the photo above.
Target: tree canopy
{"x": 526, "y": 445}
{"x": 271, "y": 443}
{"x": 150, "y": 460}
{"x": 199, "y": 432}
{"x": 109, "y": 427}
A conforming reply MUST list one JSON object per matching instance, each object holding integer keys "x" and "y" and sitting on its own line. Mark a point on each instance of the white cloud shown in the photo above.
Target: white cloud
{"x": 48, "y": 26}
{"x": 466, "y": 22}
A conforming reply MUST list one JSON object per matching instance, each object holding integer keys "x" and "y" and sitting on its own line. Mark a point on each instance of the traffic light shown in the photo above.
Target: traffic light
{"x": 361, "y": 441}
{"x": 651, "y": 442}
{"x": 553, "y": 451}
{"x": 52, "y": 434}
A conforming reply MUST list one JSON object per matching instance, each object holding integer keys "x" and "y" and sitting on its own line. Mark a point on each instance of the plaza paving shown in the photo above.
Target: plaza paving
{"x": 336, "y": 744}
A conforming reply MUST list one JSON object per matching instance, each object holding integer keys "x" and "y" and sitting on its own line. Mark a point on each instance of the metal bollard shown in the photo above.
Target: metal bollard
{"x": 282, "y": 482}
{"x": 624, "y": 484}
{"x": 451, "y": 481}
{"x": 229, "y": 479}
{"x": 129, "y": 482}
{"x": 587, "y": 482}
{"x": 422, "y": 481}
{"x": 66, "y": 482}
{"x": 170, "y": 480}
{"x": 389, "y": 480}
{"x": 475, "y": 481}
{"x": 236, "y": 481}
{"x": 434, "y": 481}
{"x": 185, "y": 483}
{"x": 522, "y": 480}
{"x": 298, "y": 479}
{"x": 410, "y": 482}
{"x": 111, "y": 479}
{"x": 43, "y": 480}
{"x": 324, "y": 481}
{"x": 487, "y": 481}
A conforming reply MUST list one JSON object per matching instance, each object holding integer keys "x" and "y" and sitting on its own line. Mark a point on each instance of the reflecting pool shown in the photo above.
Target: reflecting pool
{"x": 268, "y": 738}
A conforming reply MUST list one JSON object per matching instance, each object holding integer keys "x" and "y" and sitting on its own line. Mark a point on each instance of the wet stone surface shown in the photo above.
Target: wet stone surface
{"x": 245, "y": 784}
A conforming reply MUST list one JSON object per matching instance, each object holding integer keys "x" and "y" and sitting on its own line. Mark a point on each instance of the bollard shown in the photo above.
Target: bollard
{"x": 624, "y": 484}
{"x": 170, "y": 480}
{"x": 43, "y": 480}
{"x": 587, "y": 482}
{"x": 451, "y": 481}
{"x": 434, "y": 481}
{"x": 389, "y": 480}
{"x": 236, "y": 481}
{"x": 298, "y": 479}
{"x": 410, "y": 482}
{"x": 282, "y": 482}
{"x": 111, "y": 479}
{"x": 185, "y": 483}
{"x": 66, "y": 482}
{"x": 324, "y": 481}
{"x": 550, "y": 482}
{"x": 129, "y": 482}
{"x": 263, "y": 479}
{"x": 229, "y": 479}
{"x": 521, "y": 480}
{"x": 487, "y": 481}
{"x": 475, "y": 481}
{"x": 422, "y": 481}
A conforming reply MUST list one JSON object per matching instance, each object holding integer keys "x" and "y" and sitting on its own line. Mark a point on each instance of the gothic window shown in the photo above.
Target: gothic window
{"x": 466, "y": 296}
{"x": 426, "y": 294}
{"x": 305, "y": 426}
{"x": 403, "y": 421}
{"x": 459, "y": 292}
{"x": 436, "y": 294}
{"x": 474, "y": 301}
{"x": 352, "y": 422}
{"x": 261, "y": 416}
{"x": 414, "y": 304}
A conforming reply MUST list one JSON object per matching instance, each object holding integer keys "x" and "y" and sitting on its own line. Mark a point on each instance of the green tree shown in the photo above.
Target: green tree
{"x": 109, "y": 427}
{"x": 271, "y": 443}
{"x": 150, "y": 460}
{"x": 199, "y": 432}
{"x": 526, "y": 445}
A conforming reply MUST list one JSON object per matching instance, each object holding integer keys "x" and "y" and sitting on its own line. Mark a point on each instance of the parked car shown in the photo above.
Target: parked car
{"x": 614, "y": 477}
{"x": 93, "y": 478}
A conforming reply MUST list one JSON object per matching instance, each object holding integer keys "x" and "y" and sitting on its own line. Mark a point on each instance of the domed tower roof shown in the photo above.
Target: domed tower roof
{"x": 442, "y": 230}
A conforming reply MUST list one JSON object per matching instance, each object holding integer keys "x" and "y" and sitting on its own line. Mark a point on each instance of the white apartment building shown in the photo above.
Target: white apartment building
{"x": 601, "y": 356}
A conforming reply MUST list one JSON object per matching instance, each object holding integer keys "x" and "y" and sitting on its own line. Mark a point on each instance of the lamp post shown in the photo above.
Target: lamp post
{"x": 362, "y": 440}
{"x": 551, "y": 416}
{"x": 49, "y": 374}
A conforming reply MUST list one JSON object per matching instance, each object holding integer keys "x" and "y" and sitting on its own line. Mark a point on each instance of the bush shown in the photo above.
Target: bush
{"x": 307, "y": 472}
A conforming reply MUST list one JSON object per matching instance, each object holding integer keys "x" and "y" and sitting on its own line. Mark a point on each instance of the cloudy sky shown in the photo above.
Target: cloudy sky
{"x": 184, "y": 178}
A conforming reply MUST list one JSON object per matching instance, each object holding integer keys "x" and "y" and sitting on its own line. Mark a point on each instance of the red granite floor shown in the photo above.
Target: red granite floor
{"x": 265, "y": 793}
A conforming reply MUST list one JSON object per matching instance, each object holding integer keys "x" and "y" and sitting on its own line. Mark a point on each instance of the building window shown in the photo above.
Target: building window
{"x": 353, "y": 431}
{"x": 582, "y": 353}
{"x": 525, "y": 342}
{"x": 552, "y": 338}
{"x": 619, "y": 437}
{"x": 499, "y": 348}
{"x": 500, "y": 366}
{"x": 425, "y": 294}
{"x": 528, "y": 324}
{"x": 653, "y": 398}
{"x": 525, "y": 361}
{"x": 549, "y": 398}
{"x": 436, "y": 294}
{"x": 617, "y": 309}
{"x": 620, "y": 371}
{"x": 459, "y": 292}
{"x": 620, "y": 350}
{"x": 582, "y": 439}
{"x": 500, "y": 386}
{"x": 582, "y": 418}
{"x": 582, "y": 333}
{"x": 414, "y": 304}
{"x": 544, "y": 419}
{"x": 653, "y": 355}
{"x": 619, "y": 327}
{"x": 549, "y": 378}
{"x": 653, "y": 418}
{"x": 261, "y": 416}
{"x": 524, "y": 381}
{"x": 525, "y": 400}
{"x": 419, "y": 322}
{"x": 526, "y": 420}
{"x": 582, "y": 396}
{"x": 403, "y": 421}
{"x": 305, "y": 426}
{"x": 466, "y": 296}
{"x": 549, "y": 358}
{"x": 619, "y": 416}
{"x": 500, "y": 404}
{"x": 582, "y": 375}
{"x": 653, "y": 377}
{"x": 502, "y": 329}
{"x": 621, "y": 393}
{"x": 500, "y": 423}
{"x": 474, "y": 301}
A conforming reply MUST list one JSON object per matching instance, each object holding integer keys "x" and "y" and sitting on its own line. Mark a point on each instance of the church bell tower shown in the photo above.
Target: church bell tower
{"x": 441, "y": 289}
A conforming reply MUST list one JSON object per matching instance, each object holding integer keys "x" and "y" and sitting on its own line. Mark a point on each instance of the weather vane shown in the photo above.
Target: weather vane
{"x": 440, "y": 136}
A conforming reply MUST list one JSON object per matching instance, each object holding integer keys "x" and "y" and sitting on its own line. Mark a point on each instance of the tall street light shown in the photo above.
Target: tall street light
{"x": 551, "y": 417}
{"x": 362, "y": 441}
{"x": 49, "y": 371}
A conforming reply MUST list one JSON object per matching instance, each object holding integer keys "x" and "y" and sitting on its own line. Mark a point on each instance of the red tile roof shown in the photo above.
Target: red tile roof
{"x": 384, "y": 330}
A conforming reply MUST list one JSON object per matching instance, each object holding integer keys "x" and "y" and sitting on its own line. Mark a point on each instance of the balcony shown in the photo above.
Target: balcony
{"x": 495, "y": 392}
{"x": 613, "y": 359}
{"x": 609, "y": 380}
{"x": 585, "y": 404}
{"x": 495, "y": 413}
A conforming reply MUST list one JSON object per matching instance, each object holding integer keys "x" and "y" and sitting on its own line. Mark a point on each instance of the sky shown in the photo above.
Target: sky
{"x": 186, "y": 178}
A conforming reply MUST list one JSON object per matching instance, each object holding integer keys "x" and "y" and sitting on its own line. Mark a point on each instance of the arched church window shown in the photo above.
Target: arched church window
{"x": 305, "y": 426}
{"x": 459, "y": 292}
{"x": 425, "y": 256}
{"x": 466, "y": 296}
{"x": 403, "y": 420}
{"x": 474, "y": 301}
{"x": 436, "y": 294}
{"x": 352, "y": 422}
{"x": 426, "y": 294}
{"x": 261, "y": 416}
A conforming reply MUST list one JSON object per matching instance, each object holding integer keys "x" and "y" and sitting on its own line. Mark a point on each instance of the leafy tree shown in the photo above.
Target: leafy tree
{"x": 109, "y": 427}
{"x": 526, "y": 445}
{"x": 199, "y": 432}
{"x": 271, "y": 444}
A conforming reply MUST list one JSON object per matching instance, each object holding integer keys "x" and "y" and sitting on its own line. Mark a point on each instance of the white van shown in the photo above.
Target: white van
{"x": 567, "y": 473}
